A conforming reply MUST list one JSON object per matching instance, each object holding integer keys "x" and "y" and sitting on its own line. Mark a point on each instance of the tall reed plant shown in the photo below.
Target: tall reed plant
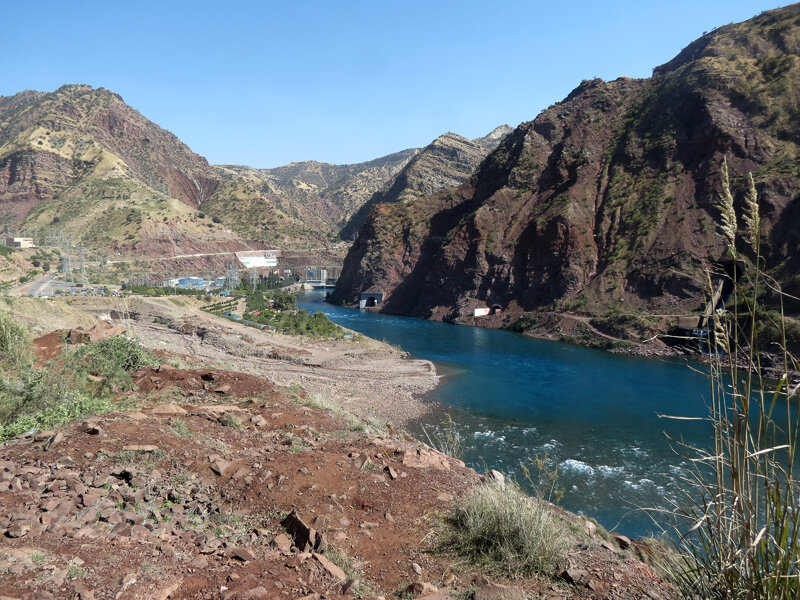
{"x": 739, "y": 526}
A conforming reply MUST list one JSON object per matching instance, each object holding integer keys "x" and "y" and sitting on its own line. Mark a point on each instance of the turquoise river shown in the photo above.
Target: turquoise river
{"x": 594, "y": 415}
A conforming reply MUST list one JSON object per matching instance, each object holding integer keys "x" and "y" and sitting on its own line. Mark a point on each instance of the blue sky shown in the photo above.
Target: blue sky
{"x": 267, "y": 83}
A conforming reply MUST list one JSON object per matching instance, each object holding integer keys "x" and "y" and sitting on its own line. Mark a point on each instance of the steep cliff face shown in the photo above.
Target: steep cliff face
{"x": 606, "y": 201}
{"x": 446, "y": 162}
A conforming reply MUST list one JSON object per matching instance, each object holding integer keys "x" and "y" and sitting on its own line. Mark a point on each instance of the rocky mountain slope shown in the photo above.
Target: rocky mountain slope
{"x": 81, "y": 162}
{"x": 444, "y": 163}
{"x": 604, "y": 205}
{"x": 305, "y": 199}
{"x": 51, "y": 141}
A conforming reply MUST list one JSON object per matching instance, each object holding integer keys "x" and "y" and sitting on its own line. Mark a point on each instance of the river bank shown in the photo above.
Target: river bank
{"x": 589, "y": 415}
{"x": 369, "y": 378}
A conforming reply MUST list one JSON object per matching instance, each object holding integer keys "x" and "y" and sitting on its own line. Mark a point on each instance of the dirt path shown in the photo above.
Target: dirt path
{"x": 590, "y": 327}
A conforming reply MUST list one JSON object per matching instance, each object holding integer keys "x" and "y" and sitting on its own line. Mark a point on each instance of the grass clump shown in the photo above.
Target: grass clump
{"x": 61, "y": 391}
{"x": 502, "y": 529}
{"x": 232, "y": 421}
{"x": 180, "y": 428}
{"x": 75, "y": 572}
{"x": 353, "y": 569}
{"x": 112, "y": 360}
{"x": 114, "y": 357}
{"x": 325, "y": 403}
{"x": 446, "y": 439}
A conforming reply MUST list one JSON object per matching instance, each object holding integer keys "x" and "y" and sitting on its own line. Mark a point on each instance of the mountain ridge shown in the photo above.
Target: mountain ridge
{"x": 80, "y": 161}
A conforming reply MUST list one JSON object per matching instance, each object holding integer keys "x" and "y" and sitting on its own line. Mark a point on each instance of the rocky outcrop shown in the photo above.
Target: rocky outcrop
{"x": 446, "y": 162}
{"x": 605, "y": 203}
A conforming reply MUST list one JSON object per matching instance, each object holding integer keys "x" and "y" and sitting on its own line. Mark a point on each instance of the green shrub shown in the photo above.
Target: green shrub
{"x": 41, "y": 399}
{"x": 115, "y": 354}
{"x": 232, "y": 421}
{"x": 15, "y": 342}
{"x": 504, "y": 530}
{"x": 112, "y": 359}
{"x": 300, "y": 322}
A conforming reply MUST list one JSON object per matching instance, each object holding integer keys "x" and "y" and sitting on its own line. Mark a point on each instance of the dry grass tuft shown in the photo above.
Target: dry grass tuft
{"x": 502, "y": 529}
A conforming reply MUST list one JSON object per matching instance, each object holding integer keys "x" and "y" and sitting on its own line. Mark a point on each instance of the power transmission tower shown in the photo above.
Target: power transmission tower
{"x": 232, "y": 277}
{"x": 66, "y": 264}
{"x": 84, "y": 279}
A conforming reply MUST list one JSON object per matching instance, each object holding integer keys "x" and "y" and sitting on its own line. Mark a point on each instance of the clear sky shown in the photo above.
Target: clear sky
{"x": 267, "y": 83}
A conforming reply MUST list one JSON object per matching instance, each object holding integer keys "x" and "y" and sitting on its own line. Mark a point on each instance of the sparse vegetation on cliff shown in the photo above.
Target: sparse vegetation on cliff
{"x": 603, "y": 198}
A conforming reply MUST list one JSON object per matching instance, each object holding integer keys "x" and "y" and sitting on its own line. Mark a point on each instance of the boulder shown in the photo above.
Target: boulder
{"x": 496, "y": 477}
{"x": 621, "y": 540}
{"x": 422, "y": 458}
{"x": 19, "y": 529}
{"x": 140, "y": 448}
{"x": 305, "y": 537}
{"x": 242, "y": 554}
{"x": 420, "y": 588}
{"x": 167, "y": 410}
{"x": 574, "y": 576}
{"x": 282, "y": 543}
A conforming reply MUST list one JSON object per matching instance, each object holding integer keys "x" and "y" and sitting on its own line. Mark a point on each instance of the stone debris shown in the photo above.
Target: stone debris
{"x": 496, "y": 477}
{"x": 101, "y": 331}
{"x": 305, "y": 538}
{"x": 488, "y": 590}
{"x": 140, "y": 448}
{"x": 419, "y": 588}
{"x": 158, "y": 515}
{"x": 167, "y": 410}
{"x": 622, "y": 541}
{"x": 330, "y": 568}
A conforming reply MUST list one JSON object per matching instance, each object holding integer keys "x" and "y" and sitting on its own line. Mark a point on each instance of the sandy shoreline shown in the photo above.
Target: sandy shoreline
{"x": 367, "y": 377}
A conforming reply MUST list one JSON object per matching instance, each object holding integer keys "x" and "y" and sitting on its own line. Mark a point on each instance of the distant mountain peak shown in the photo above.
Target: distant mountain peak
{"x": 446, "y": 162}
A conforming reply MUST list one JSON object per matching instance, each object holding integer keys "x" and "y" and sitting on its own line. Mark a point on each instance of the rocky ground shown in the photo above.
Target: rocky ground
{"x": 215, "y": 482}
